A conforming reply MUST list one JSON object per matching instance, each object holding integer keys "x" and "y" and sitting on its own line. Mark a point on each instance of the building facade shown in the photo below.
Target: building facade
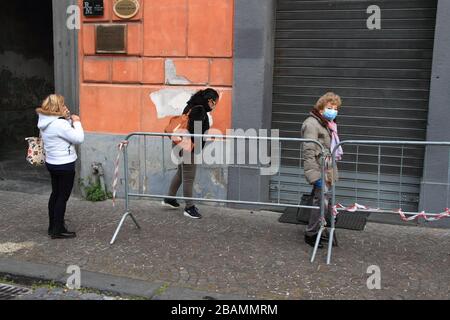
{"x": 270, "y": 60}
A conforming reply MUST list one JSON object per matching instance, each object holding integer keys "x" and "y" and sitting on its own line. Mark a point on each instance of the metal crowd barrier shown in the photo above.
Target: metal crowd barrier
{"x": 129, "y": 194}
{"x": 392, "y": 179}
{"x": 389, "y": 178}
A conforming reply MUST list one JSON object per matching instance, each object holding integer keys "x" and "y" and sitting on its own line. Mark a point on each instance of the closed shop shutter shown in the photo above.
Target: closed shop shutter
{"x": 383, "y": 77}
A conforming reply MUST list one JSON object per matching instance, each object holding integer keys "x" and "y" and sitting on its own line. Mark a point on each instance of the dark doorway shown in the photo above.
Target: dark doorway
{"x": 26, "y": 78}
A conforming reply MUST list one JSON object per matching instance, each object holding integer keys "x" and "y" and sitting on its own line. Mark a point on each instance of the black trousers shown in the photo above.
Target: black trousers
{"x": 62, "y": 185}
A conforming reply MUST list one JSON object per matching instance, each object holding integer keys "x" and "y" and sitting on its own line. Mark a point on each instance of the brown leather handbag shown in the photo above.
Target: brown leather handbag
{"x": 179, "y": 124}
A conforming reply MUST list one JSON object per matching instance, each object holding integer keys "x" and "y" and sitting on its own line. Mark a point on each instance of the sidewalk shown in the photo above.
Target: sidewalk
{"x": 229, "y": 253}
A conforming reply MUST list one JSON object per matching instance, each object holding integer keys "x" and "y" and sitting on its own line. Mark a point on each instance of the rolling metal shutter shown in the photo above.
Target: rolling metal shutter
{"x": 382, "y": 75}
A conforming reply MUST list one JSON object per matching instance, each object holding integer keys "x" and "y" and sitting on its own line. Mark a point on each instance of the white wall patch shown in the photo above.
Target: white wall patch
{"x": 171, "y": 74}
{"x": 170, "y": 102}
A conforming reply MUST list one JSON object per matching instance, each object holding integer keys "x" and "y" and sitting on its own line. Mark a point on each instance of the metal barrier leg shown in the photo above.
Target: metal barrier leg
{"x": 316, "y": 246}
{"x": 330, "y": 245}
{"x": 119, "y": 227}
{"x": 135, "y": 222}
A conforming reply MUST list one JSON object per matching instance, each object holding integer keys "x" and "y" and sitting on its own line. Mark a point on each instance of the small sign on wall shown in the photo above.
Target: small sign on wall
{"x": 93, "y": 8}
{"x": 111, "y": 38}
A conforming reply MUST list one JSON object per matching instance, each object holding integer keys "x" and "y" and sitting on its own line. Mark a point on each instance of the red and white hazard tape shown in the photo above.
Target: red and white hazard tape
{"x": 121, "y": 146}
{"x": 357, "y": 207}
{"x": 427, "y": 217}
{"x": 353, "y": 208}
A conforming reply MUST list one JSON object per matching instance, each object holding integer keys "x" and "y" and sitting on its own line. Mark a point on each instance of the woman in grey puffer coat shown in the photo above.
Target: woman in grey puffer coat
{"x": 320, "y": 126}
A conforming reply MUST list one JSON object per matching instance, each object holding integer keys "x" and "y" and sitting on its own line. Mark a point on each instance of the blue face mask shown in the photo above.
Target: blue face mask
{"x": 330, "y": 114}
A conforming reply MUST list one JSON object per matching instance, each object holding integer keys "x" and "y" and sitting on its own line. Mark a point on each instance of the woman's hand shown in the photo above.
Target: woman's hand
{"x": 75, "y": 118}
{"x": 66, "y": 112}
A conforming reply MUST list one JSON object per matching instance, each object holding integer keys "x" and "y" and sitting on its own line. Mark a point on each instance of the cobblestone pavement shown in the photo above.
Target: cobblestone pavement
{"x": 229, "y": 251}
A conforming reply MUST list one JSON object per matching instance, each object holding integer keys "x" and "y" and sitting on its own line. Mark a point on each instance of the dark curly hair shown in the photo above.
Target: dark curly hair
{"x": 202, "y": 97}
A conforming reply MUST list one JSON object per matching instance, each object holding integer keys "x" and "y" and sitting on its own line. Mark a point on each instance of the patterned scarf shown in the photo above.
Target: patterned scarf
{"x": 335, "y": 140}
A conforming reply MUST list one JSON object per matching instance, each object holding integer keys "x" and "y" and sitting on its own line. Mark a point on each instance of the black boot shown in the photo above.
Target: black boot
{"x": 63, "y": 233}
{"x": 311, "y": 240}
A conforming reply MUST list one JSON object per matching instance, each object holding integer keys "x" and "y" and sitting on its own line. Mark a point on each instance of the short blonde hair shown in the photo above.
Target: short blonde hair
{"x": 327, "y": 98}
{"x": 53, "y": 105}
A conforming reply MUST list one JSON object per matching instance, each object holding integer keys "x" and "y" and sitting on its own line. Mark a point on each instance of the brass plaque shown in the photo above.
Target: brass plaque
{"x": 111, "y": 38}
{"x": 126, "y": 9}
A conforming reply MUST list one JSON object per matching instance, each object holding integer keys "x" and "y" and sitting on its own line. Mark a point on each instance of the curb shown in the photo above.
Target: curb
{"x": 107, "y": 283}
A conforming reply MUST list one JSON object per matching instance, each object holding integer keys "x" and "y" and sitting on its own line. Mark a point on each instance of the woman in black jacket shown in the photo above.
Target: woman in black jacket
{"x": 198, "y": 107}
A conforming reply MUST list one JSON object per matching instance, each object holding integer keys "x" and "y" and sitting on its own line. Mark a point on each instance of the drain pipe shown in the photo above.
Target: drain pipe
{"x": 99, "y": 173}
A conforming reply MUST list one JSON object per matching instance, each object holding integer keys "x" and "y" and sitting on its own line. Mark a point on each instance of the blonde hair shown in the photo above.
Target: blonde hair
{"x": 327, "y": 98}
{"x": 52, "y": 105}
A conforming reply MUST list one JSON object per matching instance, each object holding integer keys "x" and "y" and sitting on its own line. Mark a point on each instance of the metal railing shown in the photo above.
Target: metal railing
{"x": 385, "y": 181}
{"x": 396, "y": 179}
{"x": 129, "y": 194}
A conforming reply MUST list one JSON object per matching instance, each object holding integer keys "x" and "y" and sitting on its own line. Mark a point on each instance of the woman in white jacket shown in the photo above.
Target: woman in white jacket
{"x": 60, "y": 132}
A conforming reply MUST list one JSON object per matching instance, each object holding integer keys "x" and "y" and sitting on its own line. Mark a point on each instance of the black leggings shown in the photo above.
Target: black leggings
{"x": 62, "y": 184}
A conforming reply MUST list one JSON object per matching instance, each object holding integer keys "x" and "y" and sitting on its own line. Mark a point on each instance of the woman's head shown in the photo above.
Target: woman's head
{"x": 212, "y": 96}
{"x": 208, "y": 98}
{"x": 328, "y": 105}
{"x": 328, "y": 99}
{"x": 54, "y": 105}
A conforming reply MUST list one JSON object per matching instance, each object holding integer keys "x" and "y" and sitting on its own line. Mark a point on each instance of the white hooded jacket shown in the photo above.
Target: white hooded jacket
{"x": 59, "y": 139}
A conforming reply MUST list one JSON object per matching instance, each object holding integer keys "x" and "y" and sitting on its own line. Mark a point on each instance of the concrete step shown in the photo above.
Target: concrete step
{"x": 37, "y": 186}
